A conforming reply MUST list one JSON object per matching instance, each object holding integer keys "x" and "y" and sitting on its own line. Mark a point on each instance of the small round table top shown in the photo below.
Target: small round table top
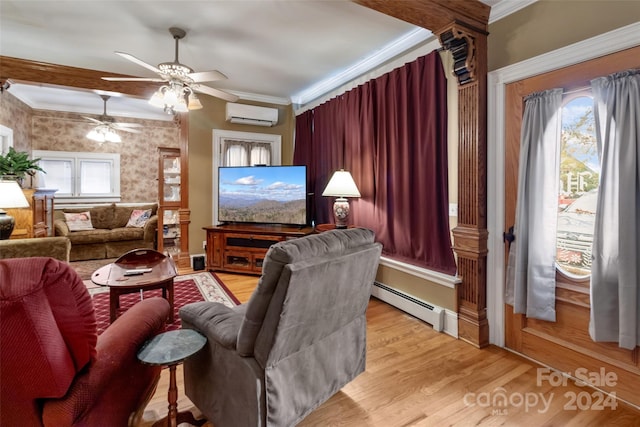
{"x": 172, "y": 347}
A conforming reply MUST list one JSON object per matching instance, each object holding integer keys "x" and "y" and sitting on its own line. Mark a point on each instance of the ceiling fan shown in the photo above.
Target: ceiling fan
{"x": 181, "y": 82}
{"x": 107, "y": 126}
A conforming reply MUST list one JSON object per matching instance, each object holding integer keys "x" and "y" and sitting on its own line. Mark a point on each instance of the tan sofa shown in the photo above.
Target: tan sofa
{"x": 54, "y": 247}
{"x": 110, "y": 237}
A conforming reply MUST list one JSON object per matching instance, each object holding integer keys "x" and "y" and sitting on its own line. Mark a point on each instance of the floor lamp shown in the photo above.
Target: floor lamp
{"x": 11, "y": 196}
{"x": 341, "y": 185}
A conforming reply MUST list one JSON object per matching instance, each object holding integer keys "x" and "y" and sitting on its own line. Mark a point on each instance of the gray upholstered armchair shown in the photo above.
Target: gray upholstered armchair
{"x": 299, "y": 339}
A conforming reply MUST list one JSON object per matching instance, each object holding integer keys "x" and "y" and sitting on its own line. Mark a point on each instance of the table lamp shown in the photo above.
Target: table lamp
{"x": 11, "y": 196}
{"x": 341, "y": 185}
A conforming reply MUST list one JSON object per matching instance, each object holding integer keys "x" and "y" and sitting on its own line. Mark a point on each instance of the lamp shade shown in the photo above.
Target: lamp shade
{"x": 341, "y": 184}
{"x": 11, "y": 195}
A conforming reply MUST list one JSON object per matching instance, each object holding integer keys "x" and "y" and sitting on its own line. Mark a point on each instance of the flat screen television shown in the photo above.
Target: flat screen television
{"x": 262, "y": 194}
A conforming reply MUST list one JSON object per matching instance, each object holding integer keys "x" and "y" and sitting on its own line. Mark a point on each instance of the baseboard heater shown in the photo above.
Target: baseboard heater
{"x": 430, "y": 313}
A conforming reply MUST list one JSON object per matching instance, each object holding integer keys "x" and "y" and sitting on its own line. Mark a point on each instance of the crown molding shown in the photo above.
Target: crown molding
{"x": 507, "y": 7}
{"x": 389, "y": 51}
{"x": 248, "y": 96}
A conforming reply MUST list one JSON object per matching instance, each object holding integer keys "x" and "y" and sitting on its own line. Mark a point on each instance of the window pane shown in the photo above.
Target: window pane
{"x": 95, "y": 177}
{"x": 579, "y": 177}
{"x": 59, "y": 175}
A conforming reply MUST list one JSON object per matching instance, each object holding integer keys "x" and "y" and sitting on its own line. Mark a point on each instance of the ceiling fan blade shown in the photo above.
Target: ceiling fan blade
{"x": 126, "y": 129}
{"x": 92, "y": 120}
{"x": 139, "y": 62}
{"x": 216, "y": 92}
{"x": 128, "y": 125}
{"x": 133, "y": 79}
{"x": 207, "y": 76}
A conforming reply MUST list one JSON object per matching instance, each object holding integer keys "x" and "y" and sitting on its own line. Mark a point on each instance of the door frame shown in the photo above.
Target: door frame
{"x": 601, "y": 45}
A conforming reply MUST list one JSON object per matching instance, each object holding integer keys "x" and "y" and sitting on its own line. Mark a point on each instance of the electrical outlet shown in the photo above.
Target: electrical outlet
{"x": 204, "y": 244}
{"x": 453, "y": 209}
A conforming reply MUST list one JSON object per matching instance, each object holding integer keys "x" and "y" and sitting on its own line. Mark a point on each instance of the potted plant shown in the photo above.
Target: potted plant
{"x": 17, "y": 164}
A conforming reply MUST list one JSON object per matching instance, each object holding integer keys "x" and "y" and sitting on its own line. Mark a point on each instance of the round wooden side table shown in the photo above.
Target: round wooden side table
{"x": 170, "y": 349}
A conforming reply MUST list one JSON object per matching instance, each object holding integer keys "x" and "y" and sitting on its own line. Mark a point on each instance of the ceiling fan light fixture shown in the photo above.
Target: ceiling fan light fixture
{"x": 103, "y": 133}
{"x": 112, "y": 136}
{"x": 94, "y": 135}
{"x": 194, "y": 102}
{"x": 175, "y": 97}
{"x": 157, "y": 100}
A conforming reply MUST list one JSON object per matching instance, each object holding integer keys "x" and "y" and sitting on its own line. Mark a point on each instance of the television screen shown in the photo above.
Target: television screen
{"x": 263, "y": 194}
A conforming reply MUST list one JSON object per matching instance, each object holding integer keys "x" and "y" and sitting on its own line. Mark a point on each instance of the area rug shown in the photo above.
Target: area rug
{"x": 186, "y": 289}
{"x": 86, "y": 268}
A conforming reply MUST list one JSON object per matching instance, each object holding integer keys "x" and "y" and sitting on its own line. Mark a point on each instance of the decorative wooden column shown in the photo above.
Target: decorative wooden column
{"x": 469, "y": 49}
{"x": 461, "y": 26}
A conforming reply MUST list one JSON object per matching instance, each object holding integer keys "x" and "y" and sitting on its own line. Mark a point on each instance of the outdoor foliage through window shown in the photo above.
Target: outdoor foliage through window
{"x": 579, "y": 177}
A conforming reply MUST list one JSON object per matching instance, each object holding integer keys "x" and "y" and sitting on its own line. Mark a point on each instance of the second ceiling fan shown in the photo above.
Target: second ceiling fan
{"x": 106, "y": 126}
{"x": 181, "y": 82}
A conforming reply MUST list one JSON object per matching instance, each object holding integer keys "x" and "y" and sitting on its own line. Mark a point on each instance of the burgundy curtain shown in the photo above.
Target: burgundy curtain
{"x": 391, "y": 134}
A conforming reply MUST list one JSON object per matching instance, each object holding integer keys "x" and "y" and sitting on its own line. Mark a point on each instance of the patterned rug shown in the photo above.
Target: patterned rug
{"x": 186, "y": 289}
{"x": 86, "y": 268}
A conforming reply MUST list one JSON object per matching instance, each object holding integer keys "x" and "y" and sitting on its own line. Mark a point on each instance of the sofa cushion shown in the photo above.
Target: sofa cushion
{"x": 121, "y": 215}
{"x": 89, "y": 236}
{"x": 78, "y": 221}
{"x": 152, "y": 206}
{"x": 101, "y": 216}
{"x": 125, "y": 233}
{"x": 139, "y": 218}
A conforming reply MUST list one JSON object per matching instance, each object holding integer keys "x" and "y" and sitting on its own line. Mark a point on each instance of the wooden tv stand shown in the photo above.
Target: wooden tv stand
{"x": 241, "y": 248}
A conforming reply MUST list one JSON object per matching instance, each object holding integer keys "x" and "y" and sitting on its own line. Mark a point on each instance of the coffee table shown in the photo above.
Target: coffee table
{"x": 170, "y": 349}
{"x": 137, "y": 271}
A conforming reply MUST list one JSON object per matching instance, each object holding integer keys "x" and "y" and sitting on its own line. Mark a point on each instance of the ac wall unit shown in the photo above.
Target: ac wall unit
{"x": 251, "y": 114}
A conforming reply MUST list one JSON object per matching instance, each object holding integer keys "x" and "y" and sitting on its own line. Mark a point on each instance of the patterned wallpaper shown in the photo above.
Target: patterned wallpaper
{"x": 16, "y": 115}
{"x": 61, "y": 131}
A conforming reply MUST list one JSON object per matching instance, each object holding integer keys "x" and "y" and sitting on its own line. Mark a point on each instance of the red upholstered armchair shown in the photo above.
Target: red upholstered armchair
{"x": 54, "y": 368}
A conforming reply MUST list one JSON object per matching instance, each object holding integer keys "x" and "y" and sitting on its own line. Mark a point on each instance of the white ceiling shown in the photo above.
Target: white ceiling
{"x": 278, "y": 51}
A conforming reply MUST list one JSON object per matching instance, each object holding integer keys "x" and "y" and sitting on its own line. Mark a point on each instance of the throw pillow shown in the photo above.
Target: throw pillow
{"x": 139, "y": 218}
{"x": 78, "y": 221}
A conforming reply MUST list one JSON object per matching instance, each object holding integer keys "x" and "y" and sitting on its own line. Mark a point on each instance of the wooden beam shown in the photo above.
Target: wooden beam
{"x": 24, "y": 70}
{"x": 434, "y": 15}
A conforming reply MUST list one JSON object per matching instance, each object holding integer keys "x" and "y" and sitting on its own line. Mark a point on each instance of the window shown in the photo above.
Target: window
{"x": 80, "y": 177}
{"x": 246, "y": 153}
{"x": 577, "y": 198}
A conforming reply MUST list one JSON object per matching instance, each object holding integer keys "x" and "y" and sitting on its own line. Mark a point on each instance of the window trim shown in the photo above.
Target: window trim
{"x": 76, "y": 159}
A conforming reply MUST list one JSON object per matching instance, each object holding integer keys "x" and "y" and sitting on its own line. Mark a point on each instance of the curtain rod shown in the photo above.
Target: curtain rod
{"x": 578, "y": 89}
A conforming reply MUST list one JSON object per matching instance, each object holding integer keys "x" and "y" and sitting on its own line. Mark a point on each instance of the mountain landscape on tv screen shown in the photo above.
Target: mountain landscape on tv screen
{"x": 244, "y": 209}
{"x": 272, "y": 195}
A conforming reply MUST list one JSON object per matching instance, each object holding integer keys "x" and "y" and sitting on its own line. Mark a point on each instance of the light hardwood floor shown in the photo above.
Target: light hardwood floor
{"x": 418, "y": 377}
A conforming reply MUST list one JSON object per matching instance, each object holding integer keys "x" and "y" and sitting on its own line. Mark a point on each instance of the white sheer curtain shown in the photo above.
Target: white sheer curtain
{"x": 246, "y": 153}
{"x": 615, "y": 275}
{"x": 531, "y": 270}
{"x": 261, "y": 154}
{"x": 234, "y": 153}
